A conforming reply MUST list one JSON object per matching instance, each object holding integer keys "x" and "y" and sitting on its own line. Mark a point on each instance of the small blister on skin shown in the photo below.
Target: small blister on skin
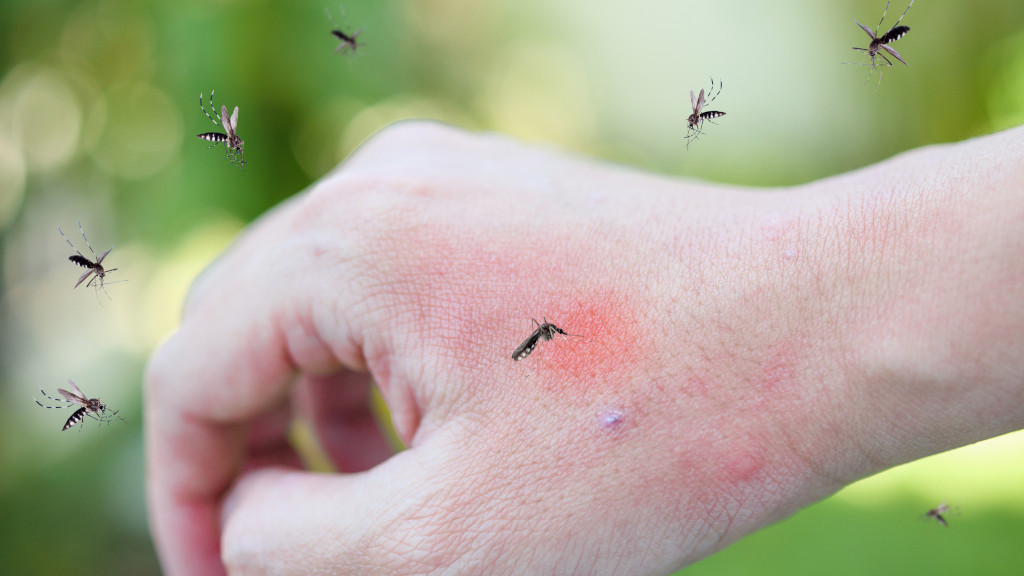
{"x": 611, "y": 418}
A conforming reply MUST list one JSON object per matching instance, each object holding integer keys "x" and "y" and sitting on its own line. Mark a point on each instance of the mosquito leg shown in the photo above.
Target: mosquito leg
{"x": 712, "y": 99}
{"x": 883, "y": 16}
{"x": 344, "y": 17}
{"x": 62, "y": 405}
{"x": 328, "y": 12}
{"x": 216, "y": 123}
{"x": 69, "y": 243}
{"x": 84, "y": 237}
{"x": 904, "y": 14}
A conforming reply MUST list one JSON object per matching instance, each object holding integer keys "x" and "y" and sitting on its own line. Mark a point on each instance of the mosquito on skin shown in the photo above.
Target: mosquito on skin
{"x": 91, "y": 407}
{"x": 545, "y": 331}
{"x": 233, "y": 144}
{"x": 695, "y": 121}
{"x": 880, "y": 44}
{"x": 348, "y": 41}
{"x": 94, "y": 267}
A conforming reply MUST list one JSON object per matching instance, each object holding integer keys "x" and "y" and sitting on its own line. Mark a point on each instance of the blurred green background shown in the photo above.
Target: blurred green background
{"x": 98, "y": 112}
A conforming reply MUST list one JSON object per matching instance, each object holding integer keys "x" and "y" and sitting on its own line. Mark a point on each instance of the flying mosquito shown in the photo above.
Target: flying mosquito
{"x": 94, "y": 268}
{"x": 233, "y": 145}
{"x": 940, "y": 512}
{"x": 545, "y": 331}
{"x": 91, "y": 407}
{"x": 348, "y": 41}
{"x": 695, "y": 122}
{"x": 880, "y": 44}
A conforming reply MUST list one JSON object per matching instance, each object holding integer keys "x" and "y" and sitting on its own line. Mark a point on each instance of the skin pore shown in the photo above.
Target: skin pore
{"x": 742, "y": 354}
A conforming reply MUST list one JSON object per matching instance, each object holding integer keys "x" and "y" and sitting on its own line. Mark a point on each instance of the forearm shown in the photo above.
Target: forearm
{"x": 839, "y": 332}
{"x": 935, "y": 344}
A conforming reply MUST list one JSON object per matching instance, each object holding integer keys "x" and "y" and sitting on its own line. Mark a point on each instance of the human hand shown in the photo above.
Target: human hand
{"x": 743, "y": 353}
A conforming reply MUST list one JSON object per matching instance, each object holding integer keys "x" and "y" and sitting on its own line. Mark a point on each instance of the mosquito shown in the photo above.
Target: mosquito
{"x": 94, "y": 268}
{"x": 545, "y": 331}
{"x": 91, "y": 407}
{"x": 348, "y": 41}
{"x": 940, "y": 512}
{"x": 880, "y": 44}
{"x": 695, "y": 122}
{"x": 232, "y": 143}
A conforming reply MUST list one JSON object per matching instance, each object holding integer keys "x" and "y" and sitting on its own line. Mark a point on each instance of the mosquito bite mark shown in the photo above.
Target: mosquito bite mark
{"x": 610, "y": 419}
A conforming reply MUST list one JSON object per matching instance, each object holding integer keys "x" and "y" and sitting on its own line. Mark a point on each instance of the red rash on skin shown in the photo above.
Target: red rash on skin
{"x": 607, "y": 345}
{"x": 485, "y": 300}
{"x": 742, "y": 466}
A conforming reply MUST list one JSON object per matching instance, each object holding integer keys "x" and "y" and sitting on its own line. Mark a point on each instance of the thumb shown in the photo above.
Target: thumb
{"x": 277, "y": 521}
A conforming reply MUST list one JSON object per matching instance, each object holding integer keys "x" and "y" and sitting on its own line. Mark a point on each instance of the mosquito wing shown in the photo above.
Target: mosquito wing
{"x": 894, "y": 54}
{"x": 83, "y": 277}
{"x": 700, "y": 102}
{"x": 865, "y": 29}
{"x": 224, "y": 121}
{"x": 693, "y": 100}
{"x": 104, "y": 255}
{"x": 234, "y": 120}
{"x": 75, "y": 396}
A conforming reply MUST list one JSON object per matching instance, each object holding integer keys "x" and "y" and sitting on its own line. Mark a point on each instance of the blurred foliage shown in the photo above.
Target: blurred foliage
{"x": 98, "y": 112}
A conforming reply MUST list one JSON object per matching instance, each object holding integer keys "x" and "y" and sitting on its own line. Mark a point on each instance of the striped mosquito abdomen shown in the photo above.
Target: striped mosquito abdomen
{"x": 81, "y": 261}
{"x": 895, "y": 34}
{"x": 75, "y": 418}
{"x": 524, "y": 349}
{"x": 216, "y": 137}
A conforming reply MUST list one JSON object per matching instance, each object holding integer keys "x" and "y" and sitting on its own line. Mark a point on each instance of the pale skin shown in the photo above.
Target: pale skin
{"x": 743, "y": 353}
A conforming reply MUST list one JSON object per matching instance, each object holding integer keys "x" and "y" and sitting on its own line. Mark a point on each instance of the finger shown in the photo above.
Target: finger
{"x": 229, "y": 363}
{"x": 190, "y": 464}
{"x": 339, "y": 409}
{"x": 281, "y": 522}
